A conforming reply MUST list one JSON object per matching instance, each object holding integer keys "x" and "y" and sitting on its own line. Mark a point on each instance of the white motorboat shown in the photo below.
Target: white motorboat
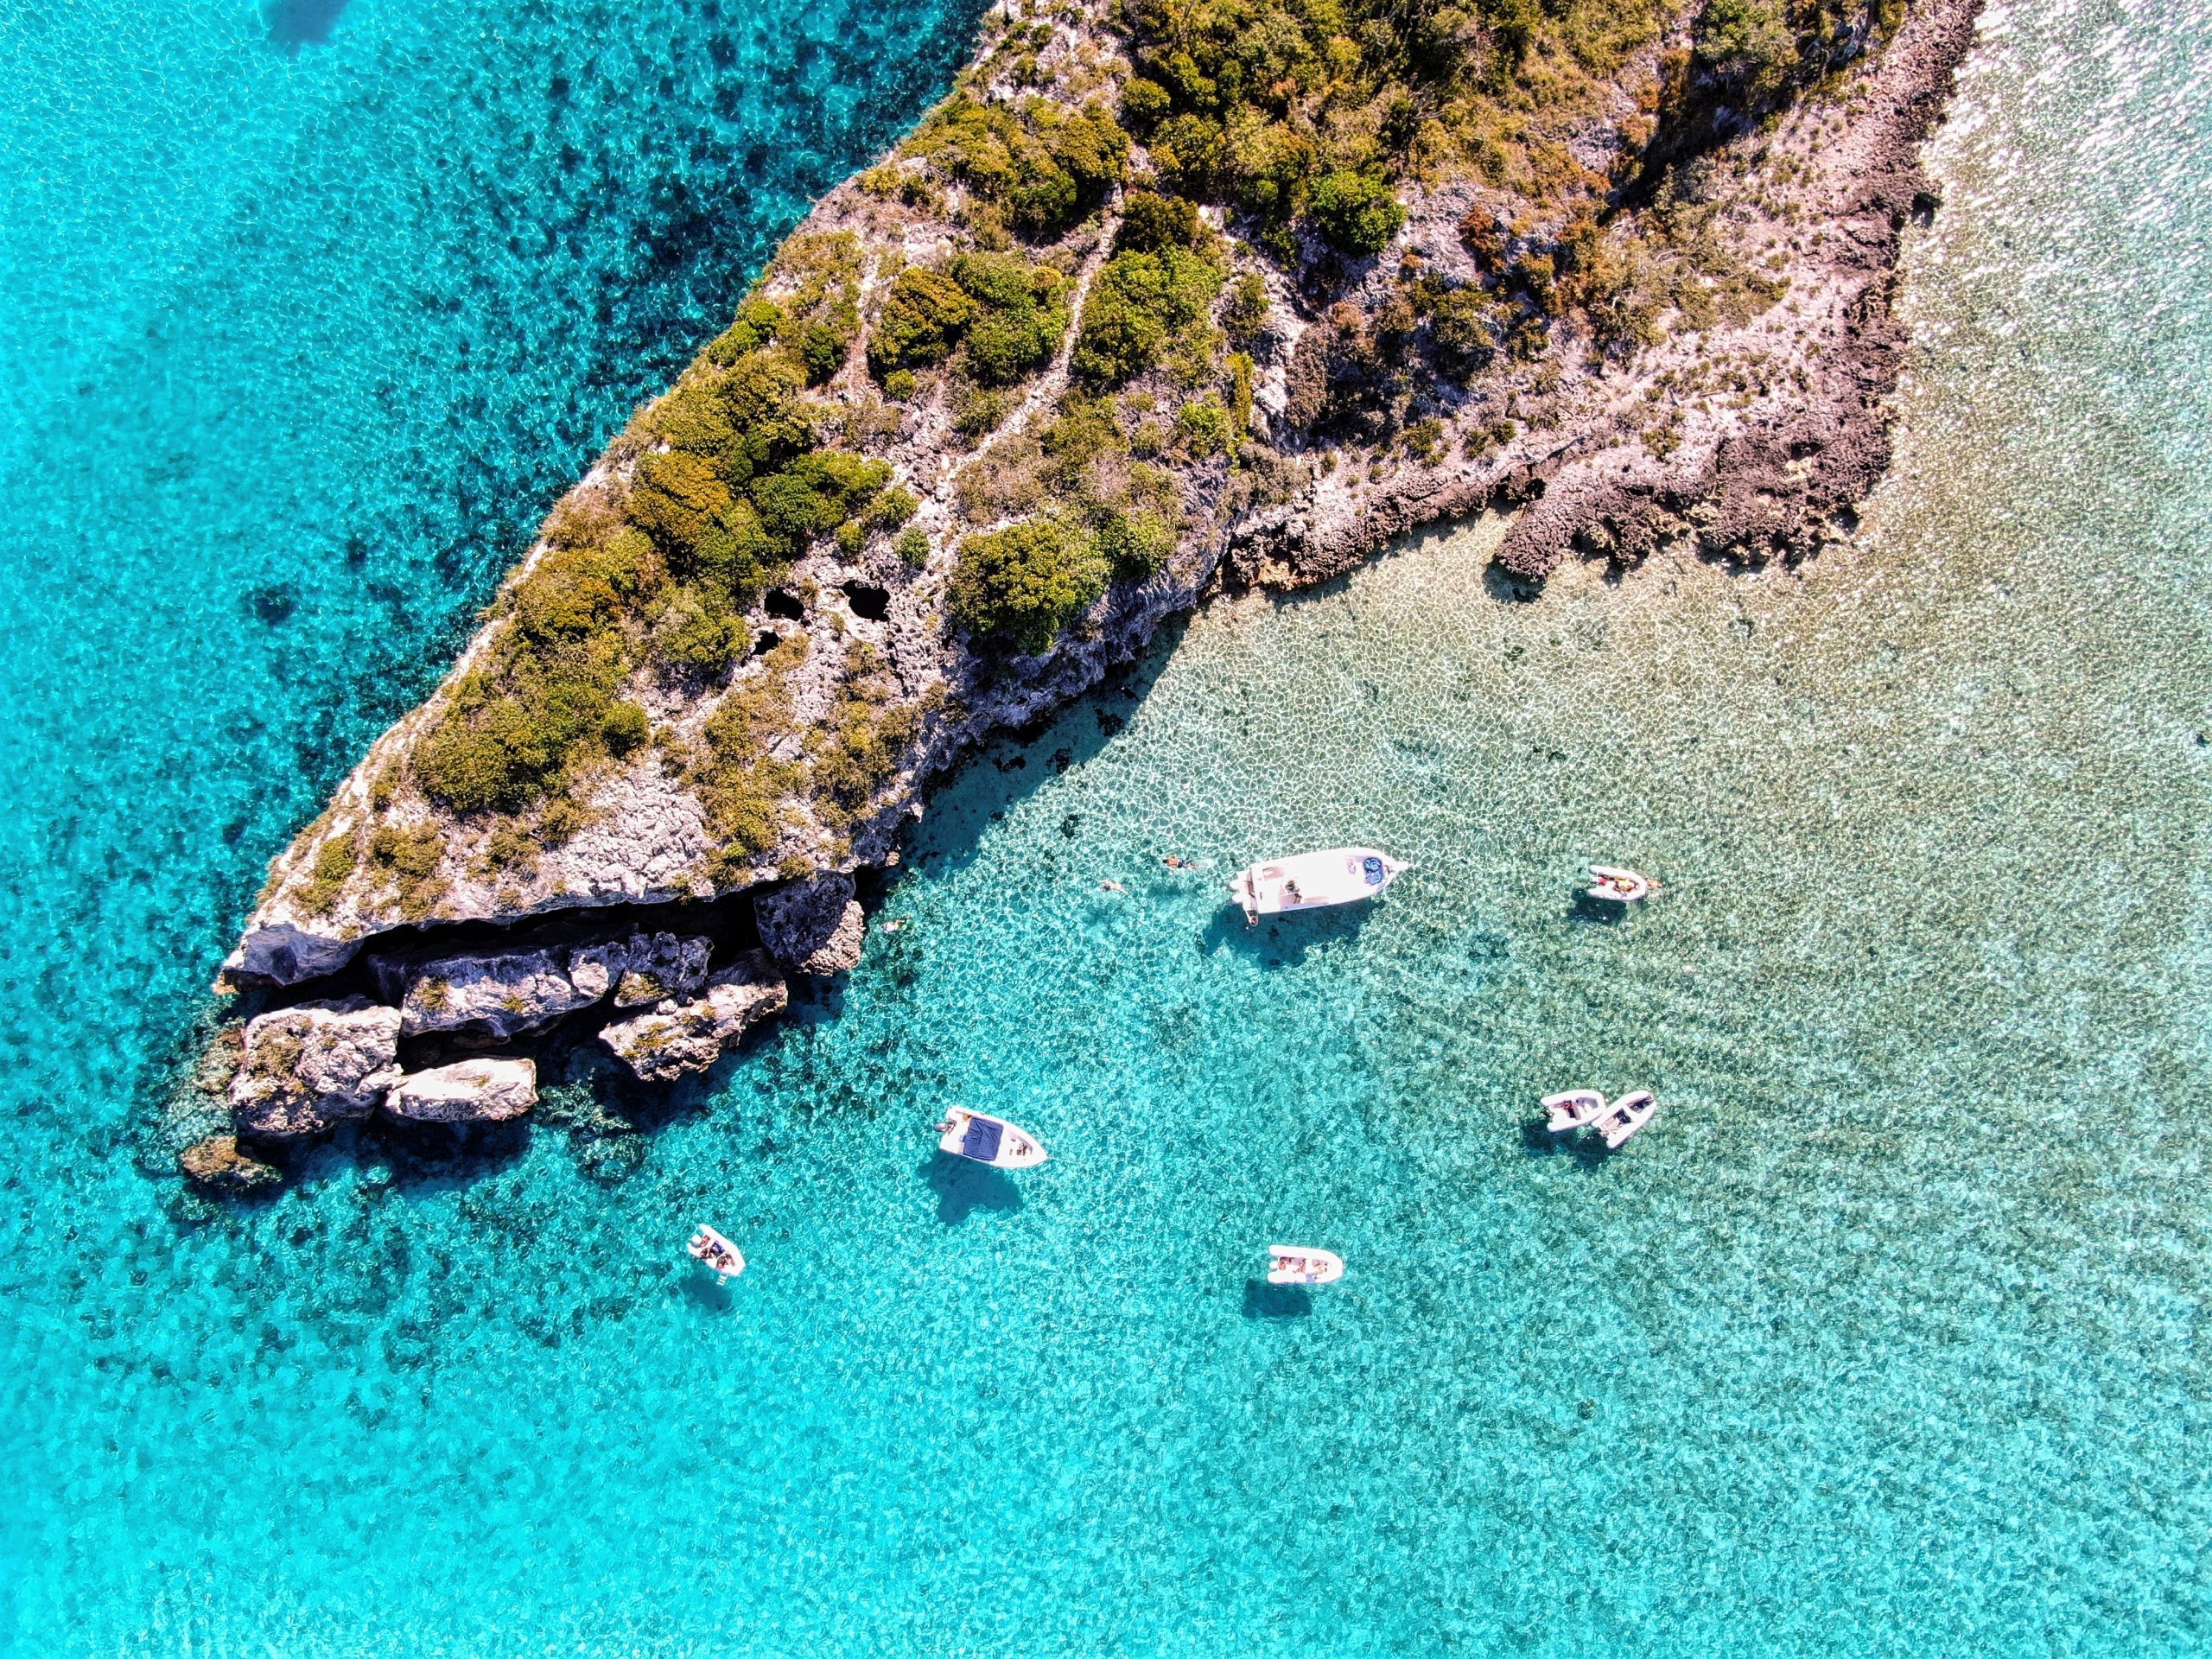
{"x": 717, "y": 1252}
{"x": 988, "y": 1140}
{"x": 1622, "y": 887}
{"x": 1339, "y": 875}
{"x": 1630, "y": 1113}
{"x": 1302, "y": 1264}
{"x": 1571, "y": 1109}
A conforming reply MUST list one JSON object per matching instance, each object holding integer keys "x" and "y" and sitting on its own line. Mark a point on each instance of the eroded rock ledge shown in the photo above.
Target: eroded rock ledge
{"x": 1158, "y": 303}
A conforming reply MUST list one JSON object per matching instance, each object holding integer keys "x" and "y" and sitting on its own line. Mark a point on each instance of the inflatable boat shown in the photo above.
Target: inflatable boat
{"x": 1623, "y": 887}
{"x": 717, "y": 1252}
{"x": 1301, "y": 1264}
{"x": 1571, "y": 1109}
{"x": 1630, "y": 1113}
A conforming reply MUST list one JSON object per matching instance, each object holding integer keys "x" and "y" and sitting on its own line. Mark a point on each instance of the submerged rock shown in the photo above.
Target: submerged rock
{"x": 678, "y": 1037}
{"x": 813, "y": 927}
{"x": 307, "y": 1068}
{"x": 500, "y": 993}
{"x": 473, "y": 1091}
{"x": 216, "y": 1165}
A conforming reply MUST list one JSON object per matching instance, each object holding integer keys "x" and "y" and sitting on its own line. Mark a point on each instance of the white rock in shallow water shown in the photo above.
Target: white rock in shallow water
{"x": 680, "y": 1037}
{"x": 473, "y": 1091}
{"x": 304, "y": 1068}
{"x": 500, "y": 993}
{"x": 813, "y": 926}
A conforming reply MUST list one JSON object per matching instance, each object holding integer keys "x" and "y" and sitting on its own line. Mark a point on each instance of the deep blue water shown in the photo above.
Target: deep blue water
{"x": 1886, "y": 1338}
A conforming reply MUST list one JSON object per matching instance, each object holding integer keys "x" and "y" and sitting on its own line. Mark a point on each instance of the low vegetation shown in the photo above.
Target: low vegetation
{"x": 1298, "y": 123}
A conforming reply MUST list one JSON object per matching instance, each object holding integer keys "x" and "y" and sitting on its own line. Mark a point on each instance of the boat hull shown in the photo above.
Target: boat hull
{"x": 993, "y": 1142}
{"x": 1618, "y": 885}
{"x": 1571, "y": 1109}
{"x": 1303, "y": 1264}
{"x": 1629, "y": 1113}
{"x": 710, "y": 1249}
{"x": 1336, "y": 875}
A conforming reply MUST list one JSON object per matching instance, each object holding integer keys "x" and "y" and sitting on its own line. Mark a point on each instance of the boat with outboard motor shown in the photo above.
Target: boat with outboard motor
{"x": 985, "y": 1139}
{"x": 1571, "y": 1109}
{"x": 716, "y": 1252}
{"x": 1619, "y": 886}
{"x": 1337, "y": 876}
{"x": 1302, "y": 1264}
{"x": 1629, "y": 1113}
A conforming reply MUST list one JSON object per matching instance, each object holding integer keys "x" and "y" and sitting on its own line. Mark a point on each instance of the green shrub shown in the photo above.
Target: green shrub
{"x": 1151, "y": 222}
{"x": 1245, "y": 311}
{"x": 893, "y": 508}
{"x": 920, "y": 322}
{"x": 625, "y": 729}
{"x": 1137, "y": 542}
{"x": 912, "y": 548}
{"x": 1464, "y": 322}
{"x": 1748, "y": 44}
{"x": 488, "y": 758}
{"x": 1025, "y": 584}
{"x": 1042, "y": 168}
{"x": 1144, "y": 105}
{"x": 1139, "y": 304}
{"x": 334, "y": 867}
{"x": 756, "y": 325}
{"x": 1020, "y": 316}
{"x": 1355, "y": 214}
{"x": 674, "y": 497}
{"x": 410, "y": 859}
{"x": 697, "y": 640}
{"x": 1204, "y": 425}
{"x": 979, "y": 412}
{"x": 900, "y": 383}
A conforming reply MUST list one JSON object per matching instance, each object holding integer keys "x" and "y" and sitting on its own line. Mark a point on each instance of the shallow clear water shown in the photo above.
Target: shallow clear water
{"x": 1884, "y": 1338}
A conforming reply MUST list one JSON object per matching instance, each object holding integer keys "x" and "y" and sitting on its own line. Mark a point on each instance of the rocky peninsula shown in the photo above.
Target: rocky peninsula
{"x": 1162, "y": 300}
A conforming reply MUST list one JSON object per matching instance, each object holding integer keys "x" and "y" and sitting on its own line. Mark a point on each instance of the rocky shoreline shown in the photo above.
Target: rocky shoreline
{"x": 1689, "y": 341}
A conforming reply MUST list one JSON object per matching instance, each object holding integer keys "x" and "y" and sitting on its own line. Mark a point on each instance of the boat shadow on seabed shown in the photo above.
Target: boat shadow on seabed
{"x": 1265, "y": 1302}
{"x": 1283, "y": 941}
{"x": 963, "y": 1186}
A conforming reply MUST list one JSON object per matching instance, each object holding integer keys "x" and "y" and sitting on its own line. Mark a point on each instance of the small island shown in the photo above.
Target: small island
{"x": 1161, "y": 302}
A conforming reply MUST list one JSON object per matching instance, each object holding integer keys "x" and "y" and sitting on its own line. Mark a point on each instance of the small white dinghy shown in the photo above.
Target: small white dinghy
{"x": 1301, "y": 1264}
{"x": 1339, "y": 875}
{"x": 1630, "y": 1113}
{"x": 990, "y": 1140}
{"x": 1622, "y": 887}
{"x": 1571, "y": 1109}
{"x": 717, "y": 1252}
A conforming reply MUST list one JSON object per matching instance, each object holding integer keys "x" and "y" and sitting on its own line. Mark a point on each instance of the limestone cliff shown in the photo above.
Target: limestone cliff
{"x": 1166, "y": 297}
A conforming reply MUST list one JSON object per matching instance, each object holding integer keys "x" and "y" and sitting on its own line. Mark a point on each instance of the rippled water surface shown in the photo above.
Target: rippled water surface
{"x": 1883, "y": 1339}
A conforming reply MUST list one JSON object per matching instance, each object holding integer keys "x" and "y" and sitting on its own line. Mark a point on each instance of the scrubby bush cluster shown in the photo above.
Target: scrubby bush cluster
{"x": 1032, "y": 168}
{"x": 1025, "y": 584}
{"x": 734, "y": 480}
{"x": 1001, "y": 315}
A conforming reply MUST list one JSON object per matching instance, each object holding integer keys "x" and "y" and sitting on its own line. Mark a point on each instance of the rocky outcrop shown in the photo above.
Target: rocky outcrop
{"x": 497, "y": 996}
{"x": 813, "y": 927}
{"x": 306, "y": 1069}
{"x": 678, "y": 1038}
{"x": 473, "y": 1091}
{"x": 646, "y": 967}
{"x": 1675, "y": 331}
{"x": 215, "y": 1165}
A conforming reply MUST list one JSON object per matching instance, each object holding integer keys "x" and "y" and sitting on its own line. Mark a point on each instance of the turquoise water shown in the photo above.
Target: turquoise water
{"x": 1883, "y": 1339}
